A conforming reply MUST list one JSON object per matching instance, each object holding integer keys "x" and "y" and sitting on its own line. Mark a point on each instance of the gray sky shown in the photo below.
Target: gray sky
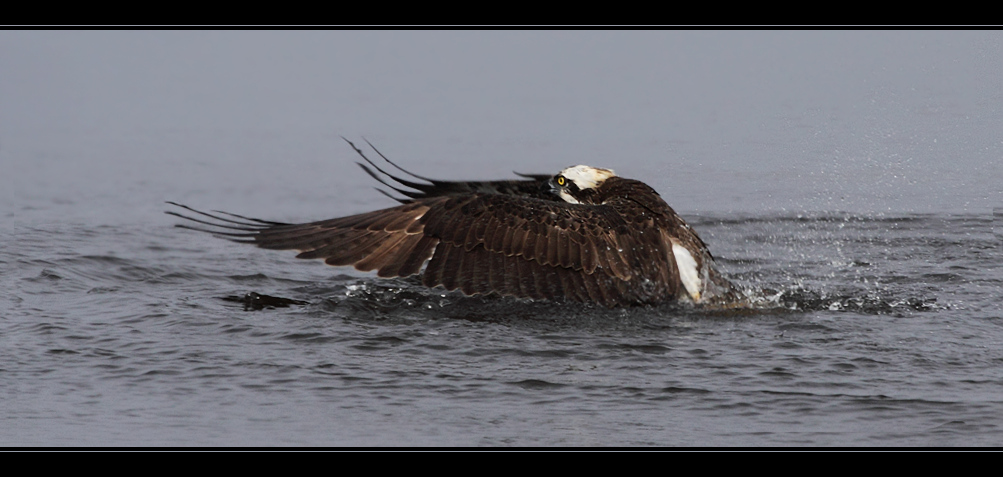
{"x": 747, "y": 121}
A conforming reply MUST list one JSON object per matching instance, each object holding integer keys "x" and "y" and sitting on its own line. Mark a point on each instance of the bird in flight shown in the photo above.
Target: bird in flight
{"x": 583, "y": 234}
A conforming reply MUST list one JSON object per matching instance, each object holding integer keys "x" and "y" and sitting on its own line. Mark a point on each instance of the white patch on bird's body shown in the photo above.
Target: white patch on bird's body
{"x": 688, "y": 272}
{"x": 586, "y": 177}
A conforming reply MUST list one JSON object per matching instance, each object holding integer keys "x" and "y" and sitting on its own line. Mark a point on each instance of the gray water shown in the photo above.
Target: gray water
{"x": 847, "y": 180}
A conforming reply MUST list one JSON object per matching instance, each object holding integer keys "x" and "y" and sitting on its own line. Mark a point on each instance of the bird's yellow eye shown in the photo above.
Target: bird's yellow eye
{"x": 560, "y": 180}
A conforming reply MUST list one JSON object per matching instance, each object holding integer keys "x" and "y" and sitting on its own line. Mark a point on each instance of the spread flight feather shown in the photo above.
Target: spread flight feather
{"x": 513, "y": 237}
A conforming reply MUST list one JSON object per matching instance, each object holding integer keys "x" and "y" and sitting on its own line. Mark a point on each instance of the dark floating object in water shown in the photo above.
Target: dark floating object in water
{"x": 256, "y": 301}
{"x": 584, "y": 234}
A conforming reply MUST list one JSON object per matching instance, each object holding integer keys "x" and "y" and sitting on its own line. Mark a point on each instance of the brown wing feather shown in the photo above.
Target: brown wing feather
{"x": 536, "y": 249}
{"x": 509, "y": 237}
{"x": 482, "y": 243}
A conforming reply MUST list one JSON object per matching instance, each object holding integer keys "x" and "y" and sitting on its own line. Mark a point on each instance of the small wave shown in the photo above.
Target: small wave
{"x": 798, "y": 299}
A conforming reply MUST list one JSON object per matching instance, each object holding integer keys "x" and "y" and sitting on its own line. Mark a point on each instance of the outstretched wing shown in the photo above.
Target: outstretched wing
{"x": 477, "y": 243}
{"x": 511, "y": 237}
{"x": 391, "y": 241}
{"x": 534, "y": 185}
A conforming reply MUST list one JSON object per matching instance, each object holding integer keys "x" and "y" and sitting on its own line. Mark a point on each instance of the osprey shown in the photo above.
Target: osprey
{"x": 584, "y": 234}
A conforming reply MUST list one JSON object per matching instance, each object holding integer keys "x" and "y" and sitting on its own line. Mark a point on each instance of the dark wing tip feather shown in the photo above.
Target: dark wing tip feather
{"x": 407, "y": 193}
{"x": 247, "y": 221}
{"x": 251, "y": 219}
{"x": 536, "y": 177}
{"x": 244, "y": 227}
{"x": 416, "y": 176}
{"x": 232, "y": 236}
{"x": 398, "y": 199}
{"x": 423, "y": 189}
{"x": 242, "y": 231}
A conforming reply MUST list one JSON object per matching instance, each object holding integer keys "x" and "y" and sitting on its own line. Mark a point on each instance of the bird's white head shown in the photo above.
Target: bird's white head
{"x": 587, "y": 177}
{"x": 578, "y": 184}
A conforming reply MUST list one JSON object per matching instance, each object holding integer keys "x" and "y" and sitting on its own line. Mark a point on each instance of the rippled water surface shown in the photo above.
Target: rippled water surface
{"x": 845, "y": 180}
{"x": 870, "y": 331}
